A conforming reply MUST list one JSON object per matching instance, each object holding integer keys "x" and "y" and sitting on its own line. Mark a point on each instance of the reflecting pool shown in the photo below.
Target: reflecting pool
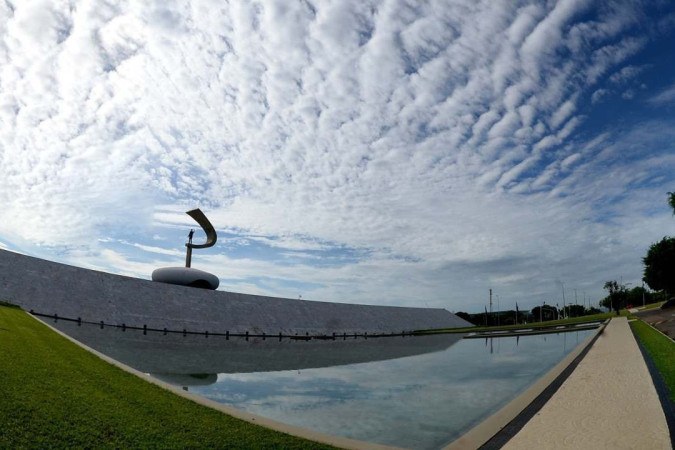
{"x": 414, "y": 392}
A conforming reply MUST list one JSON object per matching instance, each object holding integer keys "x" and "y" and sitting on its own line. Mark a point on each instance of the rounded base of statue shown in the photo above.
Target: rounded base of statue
{"x": 186, "y": 276}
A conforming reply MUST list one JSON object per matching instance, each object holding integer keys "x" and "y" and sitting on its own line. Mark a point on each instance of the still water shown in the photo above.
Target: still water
{"x": 413, "y": 392}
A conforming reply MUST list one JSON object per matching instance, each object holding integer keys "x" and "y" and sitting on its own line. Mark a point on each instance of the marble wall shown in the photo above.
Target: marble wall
{"x": 52, "y": 288}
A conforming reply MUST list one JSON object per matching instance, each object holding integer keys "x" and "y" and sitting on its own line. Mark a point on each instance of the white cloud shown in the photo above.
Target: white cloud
{"x": 665, "y": 97}
{"x": 598, "y": 95}
{"x": 626, "y": 74}
{"x": 437, "y": 140}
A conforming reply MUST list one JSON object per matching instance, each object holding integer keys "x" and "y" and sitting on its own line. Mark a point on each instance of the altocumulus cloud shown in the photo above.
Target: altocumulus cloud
{"x": 375, "y": 151}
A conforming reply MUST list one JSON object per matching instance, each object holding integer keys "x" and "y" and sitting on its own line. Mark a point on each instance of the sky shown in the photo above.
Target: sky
{"x": 379, "y": 152}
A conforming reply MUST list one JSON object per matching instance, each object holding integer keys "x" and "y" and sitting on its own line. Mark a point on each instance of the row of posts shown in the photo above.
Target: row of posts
{"x": 227, "y": 334}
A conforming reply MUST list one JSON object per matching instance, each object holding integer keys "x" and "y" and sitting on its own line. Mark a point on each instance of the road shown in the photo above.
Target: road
{"x": 661, "y": 319}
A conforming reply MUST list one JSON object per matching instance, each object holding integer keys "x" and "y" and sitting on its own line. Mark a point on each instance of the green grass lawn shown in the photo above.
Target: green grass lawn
{"x": 662, "y": 351}
{"x": 550, "y": 323}
{"x": 54, "y": 394}
{"x": 650, "y": 306}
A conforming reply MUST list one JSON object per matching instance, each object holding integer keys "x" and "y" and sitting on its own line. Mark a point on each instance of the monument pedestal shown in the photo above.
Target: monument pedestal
{"x": 186, "y": 276}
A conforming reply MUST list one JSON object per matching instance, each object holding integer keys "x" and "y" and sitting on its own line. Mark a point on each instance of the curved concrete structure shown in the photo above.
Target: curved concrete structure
{"x": 186, "y": 276}
{"x": 53, "y": 288}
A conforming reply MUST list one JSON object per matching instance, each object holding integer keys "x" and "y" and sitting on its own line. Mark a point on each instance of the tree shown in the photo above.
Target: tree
{"x": 465, "y": 316}
{"x": 592, "y": 310}
{"x": 671, "y": 200}
{"x": 545, "y": 312}
{"x": 575, "y": 310}
{"x": 636, "y": 295}
{"x": 616, "y": 298}
{"x": 659, "y": 263}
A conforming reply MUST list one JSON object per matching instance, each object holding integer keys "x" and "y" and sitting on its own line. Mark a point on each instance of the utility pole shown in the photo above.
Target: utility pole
{"x": 491, "y": 303}
{"x": 589, "y": 303}
{"x": 643, "y": 292}
{"x": 576, "y": 302}
{"x": 540, "y": 312}
{"x": 498, "y": 310}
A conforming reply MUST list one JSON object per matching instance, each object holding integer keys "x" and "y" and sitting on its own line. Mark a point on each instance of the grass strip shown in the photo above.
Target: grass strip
{"x": 662, "y": 351}
{"x": 550, "y": 323}
{"x": 650, "y": 306}
{"x": 57, "y": 395}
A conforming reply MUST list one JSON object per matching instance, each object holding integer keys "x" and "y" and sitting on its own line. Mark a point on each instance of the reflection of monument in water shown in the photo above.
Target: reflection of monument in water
{"x": 194, "y": 360}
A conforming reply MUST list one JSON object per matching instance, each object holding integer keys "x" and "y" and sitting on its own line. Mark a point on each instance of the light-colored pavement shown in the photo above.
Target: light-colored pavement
{"x": 608, "y": 402}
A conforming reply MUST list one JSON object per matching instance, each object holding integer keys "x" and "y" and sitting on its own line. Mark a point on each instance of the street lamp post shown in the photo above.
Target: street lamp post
{"x": 541, "y": 311}
{"x": 498, "y": 310}
{"x": 643, "y": 293}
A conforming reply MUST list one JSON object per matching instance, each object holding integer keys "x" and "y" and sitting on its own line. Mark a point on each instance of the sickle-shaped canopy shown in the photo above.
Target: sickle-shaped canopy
{"x": 201, "y": 219}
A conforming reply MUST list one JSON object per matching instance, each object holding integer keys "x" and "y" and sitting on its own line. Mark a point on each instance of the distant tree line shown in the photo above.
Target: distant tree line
{"x": 620, "y": 297}
{"x": 659, "y": 262}
{"x": 538, "y": 313}
{"x": 659, "y": 275}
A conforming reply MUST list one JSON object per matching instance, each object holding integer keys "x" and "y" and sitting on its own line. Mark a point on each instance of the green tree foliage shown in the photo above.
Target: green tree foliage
{"x": 617, "y": 296}
{"x": 633, "y": 297}
{"x": 575, "y": 310}
{"x": 465, "y": 316}
{"x": 659, "y": 272}
{"x": 671, "y": 200}
{"x": 592, "y": 310}
{"x": 546, "y": 312}
{"x": 636, "y": 296}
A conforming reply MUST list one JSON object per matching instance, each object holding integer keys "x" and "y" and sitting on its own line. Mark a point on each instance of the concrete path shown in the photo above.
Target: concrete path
{"x": 608, "y": 402}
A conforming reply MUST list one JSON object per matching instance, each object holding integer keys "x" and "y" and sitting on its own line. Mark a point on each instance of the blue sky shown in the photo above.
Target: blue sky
{"x": 382, "y": 152}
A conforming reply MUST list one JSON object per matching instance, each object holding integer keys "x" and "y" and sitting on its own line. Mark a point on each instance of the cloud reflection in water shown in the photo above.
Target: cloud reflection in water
{"x": 422, "y": 401}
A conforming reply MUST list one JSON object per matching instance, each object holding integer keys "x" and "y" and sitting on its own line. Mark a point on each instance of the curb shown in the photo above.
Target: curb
{"x": 499, "y": 428}
{"x": 303, "y": 433}
{"x": 667, "y": 405}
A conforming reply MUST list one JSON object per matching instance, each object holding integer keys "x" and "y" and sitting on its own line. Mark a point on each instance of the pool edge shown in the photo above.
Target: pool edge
{"x": 493, "y": 433}
{"x": 337, "y": 441}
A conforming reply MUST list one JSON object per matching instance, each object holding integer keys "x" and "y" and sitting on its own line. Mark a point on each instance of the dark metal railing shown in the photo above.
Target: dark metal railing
{"x": 227, "y": 334}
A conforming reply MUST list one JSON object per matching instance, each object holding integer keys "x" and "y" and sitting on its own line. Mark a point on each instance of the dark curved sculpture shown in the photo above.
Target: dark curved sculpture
{"x": 211, "y": 236}
{"x": 187, "y": 276}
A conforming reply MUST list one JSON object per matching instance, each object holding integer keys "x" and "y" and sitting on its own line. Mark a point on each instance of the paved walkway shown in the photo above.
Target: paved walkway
{"x": 608, "y": 402}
